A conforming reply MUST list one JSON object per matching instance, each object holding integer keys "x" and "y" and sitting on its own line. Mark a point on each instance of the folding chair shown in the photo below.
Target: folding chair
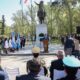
{"x": 12, "y": 73}
{"x": 78, "y": 74}
{"x": 58, "y": 74}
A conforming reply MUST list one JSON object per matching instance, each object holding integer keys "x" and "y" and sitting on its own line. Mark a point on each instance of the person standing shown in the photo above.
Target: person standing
{"x": 69, "y": 46}
{"x": 76, "y": 49}
{"x": 10, "y": 44}
{"x": 45, "y": 43}
{"x": 6, "y": 45}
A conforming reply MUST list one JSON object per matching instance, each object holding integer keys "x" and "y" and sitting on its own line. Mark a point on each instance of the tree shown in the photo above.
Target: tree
{"x": 64, "y": 16}
{"x": 61, "y": 18}
{"x": 28, "y": 19}
{"x": 7, "y": 30}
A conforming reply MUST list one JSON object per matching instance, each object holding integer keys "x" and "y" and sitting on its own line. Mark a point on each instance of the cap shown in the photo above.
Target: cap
{"x": 35, "y": 50}
{"x": 71, "y": 61}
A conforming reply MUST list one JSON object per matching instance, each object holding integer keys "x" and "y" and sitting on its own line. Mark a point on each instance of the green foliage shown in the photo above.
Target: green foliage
{"x": 61, "y": 19}
{"x": 0, "y": 26}
{"x": 7, "y": 30}
{"x": 24, "y": 23}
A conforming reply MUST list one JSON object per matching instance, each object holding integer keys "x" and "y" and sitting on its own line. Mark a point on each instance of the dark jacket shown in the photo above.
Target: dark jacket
{"x": 2, "y": 77}
{"x": 30, "y": 76}
{"x": 69, "y": 44}
{"x": 45, "y": 69}
{"x": 57, "y": 64}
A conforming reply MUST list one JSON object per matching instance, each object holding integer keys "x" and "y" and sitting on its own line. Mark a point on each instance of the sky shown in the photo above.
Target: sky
{"x": 8, "y": 7}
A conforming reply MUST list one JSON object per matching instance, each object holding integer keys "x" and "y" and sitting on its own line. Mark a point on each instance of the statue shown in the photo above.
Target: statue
{"x": 41, "y": 12}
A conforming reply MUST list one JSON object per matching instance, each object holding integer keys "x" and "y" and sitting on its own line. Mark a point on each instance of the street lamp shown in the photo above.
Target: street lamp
{"x": 3, "y": 24}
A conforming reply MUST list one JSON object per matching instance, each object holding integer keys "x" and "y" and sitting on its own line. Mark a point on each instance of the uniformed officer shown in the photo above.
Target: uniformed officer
{"x": 35, "y": 52}
{"x": 71, "y": 65}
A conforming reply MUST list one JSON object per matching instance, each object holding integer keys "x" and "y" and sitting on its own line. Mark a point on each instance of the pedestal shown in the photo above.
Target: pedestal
{"x": 40, "y": 28}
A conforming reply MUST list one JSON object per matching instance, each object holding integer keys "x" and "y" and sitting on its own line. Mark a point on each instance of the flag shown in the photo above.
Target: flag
{"x": 50, "y": 2}
{"x": 20, "y": 1}
{"x": 25, "y": 1}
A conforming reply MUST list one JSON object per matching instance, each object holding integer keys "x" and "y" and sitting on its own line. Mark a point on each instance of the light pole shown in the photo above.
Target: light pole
{"x": 51, "y": 16}
{"x": 3, "y": 24}
{"x": 31, "y": 18}
{"x": 21, "y": 3}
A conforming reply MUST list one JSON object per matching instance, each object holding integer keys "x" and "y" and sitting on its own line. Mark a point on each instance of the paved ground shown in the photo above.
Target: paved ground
{"x": 20, "y": 61}
{"x": 27, "y": 50}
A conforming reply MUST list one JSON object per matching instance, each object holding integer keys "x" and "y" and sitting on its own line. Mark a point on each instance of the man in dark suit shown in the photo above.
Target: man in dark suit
{"x": 34, "y": 68}
{"x": 57, "y": 64}
{"x": 69, "y": 46}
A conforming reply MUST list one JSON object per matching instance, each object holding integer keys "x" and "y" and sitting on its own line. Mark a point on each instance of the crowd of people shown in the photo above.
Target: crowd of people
{"x": 67, "y": 61}
{"x": 36, "y": 69}
{"x": 71, "y": 45}
{"x": 12, "y": 43}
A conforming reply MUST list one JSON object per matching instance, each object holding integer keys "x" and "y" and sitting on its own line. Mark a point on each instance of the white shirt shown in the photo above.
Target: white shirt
{"x": 10, "y": 43}
{"x": 43, "y": 78}
{"x": 6, "y": 44}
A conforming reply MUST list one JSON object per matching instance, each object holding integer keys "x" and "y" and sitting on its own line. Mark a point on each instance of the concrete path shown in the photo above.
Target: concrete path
{"x": 12, "y": 62}
{"x": 20, "y": 61}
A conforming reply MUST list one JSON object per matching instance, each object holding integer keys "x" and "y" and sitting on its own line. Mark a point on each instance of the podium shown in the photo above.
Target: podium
{"x": 45, "y": 44}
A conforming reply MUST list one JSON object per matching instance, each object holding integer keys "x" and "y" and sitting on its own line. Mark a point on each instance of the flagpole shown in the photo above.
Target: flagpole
{"x": 51, "y": 14}
{"x": 31, "y": 11}
{"x": 21, "y": 2}
{"x": 31, "y": 17}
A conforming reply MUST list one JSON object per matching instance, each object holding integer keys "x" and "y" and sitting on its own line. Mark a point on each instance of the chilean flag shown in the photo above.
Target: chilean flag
{"x": 25, "y": 1}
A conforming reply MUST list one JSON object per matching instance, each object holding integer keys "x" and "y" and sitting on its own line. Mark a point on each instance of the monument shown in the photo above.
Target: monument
{"x": 41, "y": 28}
{"x": 41, "y": 12}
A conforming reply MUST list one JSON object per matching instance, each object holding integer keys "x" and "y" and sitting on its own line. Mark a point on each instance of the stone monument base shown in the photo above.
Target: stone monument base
{"x": 40, "y": 29}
